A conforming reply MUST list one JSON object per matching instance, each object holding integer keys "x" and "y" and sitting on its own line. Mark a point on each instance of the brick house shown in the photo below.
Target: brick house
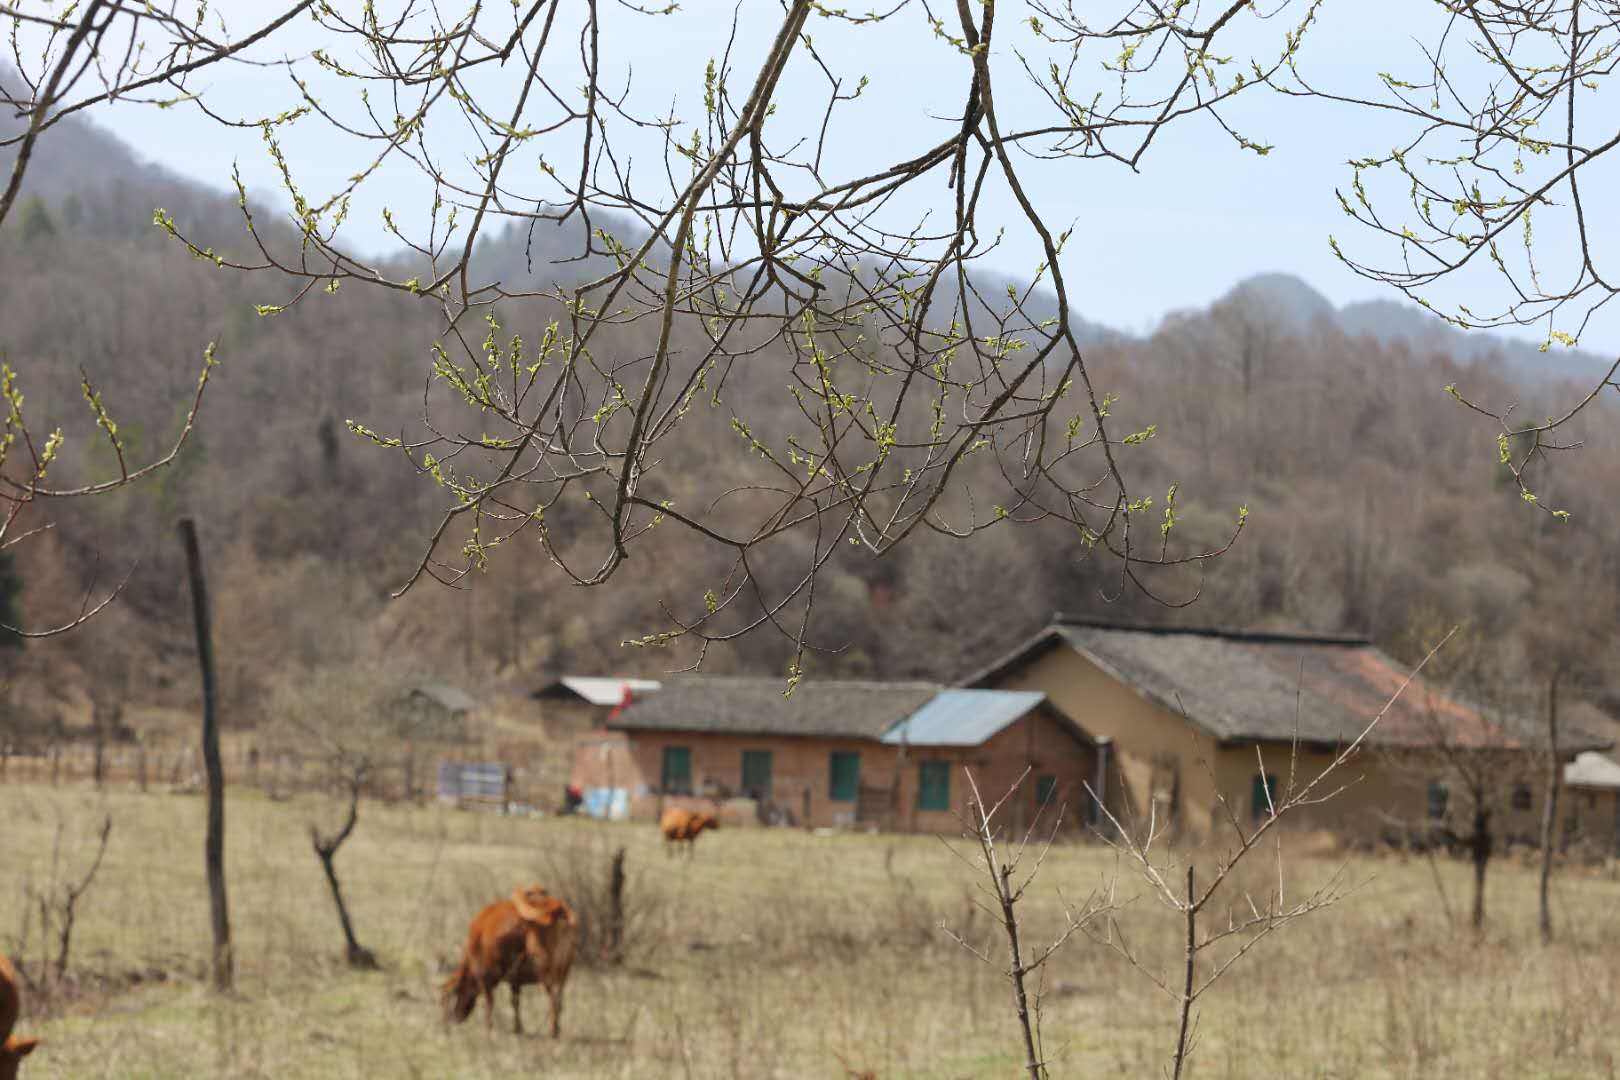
{"x": 835, "y": 753}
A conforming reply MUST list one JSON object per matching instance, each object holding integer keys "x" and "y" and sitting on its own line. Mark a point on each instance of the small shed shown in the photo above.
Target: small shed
{"x": 435, "y": 712}
{"x": 1593, "y": 804}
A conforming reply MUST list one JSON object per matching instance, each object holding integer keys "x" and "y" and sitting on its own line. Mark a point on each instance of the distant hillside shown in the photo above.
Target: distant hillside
{"x": 1373, "y": 496}
{"x": 1292, "y": 305}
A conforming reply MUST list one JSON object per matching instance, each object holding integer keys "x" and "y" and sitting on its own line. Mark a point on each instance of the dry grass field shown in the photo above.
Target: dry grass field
{"x": 771, "y": 954}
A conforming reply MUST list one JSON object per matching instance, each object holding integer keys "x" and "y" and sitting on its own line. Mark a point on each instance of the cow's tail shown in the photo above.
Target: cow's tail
{"x": 459, "y": 994}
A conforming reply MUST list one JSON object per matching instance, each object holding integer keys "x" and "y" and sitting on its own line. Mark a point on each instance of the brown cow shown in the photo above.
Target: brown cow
{"x": 683, "y": 826}
{"x": 12, "y": 1050}
{"x": 526, "y": 939}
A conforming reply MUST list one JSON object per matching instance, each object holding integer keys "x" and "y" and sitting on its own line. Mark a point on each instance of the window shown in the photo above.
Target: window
{"x": 756, "y": 774}
{"x": 843, "y": 775}
{"x": 933, "y": 785}
{"x": 1045, "y": 791}
{"x": 1263, "y": 798}
{"x": 1521, "y": 797}
{"x": 1439, "y": 799}
{"x": 677, "y": 774}
{"x": 1093, "y": 810}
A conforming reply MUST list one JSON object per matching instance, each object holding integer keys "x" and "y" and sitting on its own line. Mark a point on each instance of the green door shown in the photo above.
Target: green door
{"x": 1045, "y": 790}
{"x": 933, "y": 785}
{"x": 843, "y": 775}
{"x": 677, "y": 777}
{"x": 756, "y": 773}
{"x": 1264, "y": 795}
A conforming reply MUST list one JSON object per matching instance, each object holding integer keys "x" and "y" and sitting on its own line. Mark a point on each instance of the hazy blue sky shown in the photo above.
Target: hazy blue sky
{"x": 1200, "y": 215}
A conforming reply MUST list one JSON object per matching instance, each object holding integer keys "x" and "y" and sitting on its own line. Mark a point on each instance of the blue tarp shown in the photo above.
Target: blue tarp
{"x": 610, "y": 803}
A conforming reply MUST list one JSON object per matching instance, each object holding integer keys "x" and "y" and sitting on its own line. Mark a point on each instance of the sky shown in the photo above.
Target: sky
{"x": 1198, "y": 216}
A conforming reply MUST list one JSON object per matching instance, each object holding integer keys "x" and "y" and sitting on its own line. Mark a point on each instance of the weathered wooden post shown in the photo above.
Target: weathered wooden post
{"x": 214, "y": 842}
{"x": 615, "y": 935}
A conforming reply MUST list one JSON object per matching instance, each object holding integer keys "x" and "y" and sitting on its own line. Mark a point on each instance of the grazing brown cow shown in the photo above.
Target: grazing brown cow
{"x": 683, "y": 826}
{"x": 12, "y": 1050}
{"x": 526, "y": 939}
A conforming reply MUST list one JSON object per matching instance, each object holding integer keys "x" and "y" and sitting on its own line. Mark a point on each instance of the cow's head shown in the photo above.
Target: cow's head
{"x": 704, "y": 820}
{"x": 11, "y": 1055}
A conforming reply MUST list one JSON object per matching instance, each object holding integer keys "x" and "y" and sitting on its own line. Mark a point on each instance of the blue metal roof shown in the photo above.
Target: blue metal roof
{"x": 962, "y": 717}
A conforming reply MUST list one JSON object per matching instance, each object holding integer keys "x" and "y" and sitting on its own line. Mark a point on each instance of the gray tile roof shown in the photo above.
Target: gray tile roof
{"x": 755, "y": 706}
{"x": 1256, "y": 686}
{"x": 449, "y": 697}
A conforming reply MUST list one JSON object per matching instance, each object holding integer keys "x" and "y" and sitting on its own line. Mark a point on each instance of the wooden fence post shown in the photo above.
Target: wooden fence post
{"x": 615, "y": 934}
{"x": 214, "y": 842}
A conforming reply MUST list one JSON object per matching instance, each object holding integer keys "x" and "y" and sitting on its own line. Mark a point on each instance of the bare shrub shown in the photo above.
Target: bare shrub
{"x": 57, "y": 905}
{"x": 619, "y": 915}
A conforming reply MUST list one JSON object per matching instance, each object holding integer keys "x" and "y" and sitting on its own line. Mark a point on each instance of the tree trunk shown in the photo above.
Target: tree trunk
{"x": 326, "y": 850}
{"x": 214, "y": 844}
{"x": 1480, "y": 843}
{"x": 1549, "y": 815}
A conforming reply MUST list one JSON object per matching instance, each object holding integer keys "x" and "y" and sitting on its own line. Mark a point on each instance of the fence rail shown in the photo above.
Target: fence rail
{"x": 415, "y": 774}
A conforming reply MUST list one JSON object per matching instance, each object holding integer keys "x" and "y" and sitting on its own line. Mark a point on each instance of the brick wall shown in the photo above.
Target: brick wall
{"x": 800, "y": 772}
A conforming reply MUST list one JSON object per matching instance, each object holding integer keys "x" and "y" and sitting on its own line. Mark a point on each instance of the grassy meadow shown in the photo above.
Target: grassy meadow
{"x": 771, "y": 954}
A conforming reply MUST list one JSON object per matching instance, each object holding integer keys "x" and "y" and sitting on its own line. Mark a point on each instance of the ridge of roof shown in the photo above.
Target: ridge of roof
{"x": 1263, "y": 637}
{"x": 850, "y": 684}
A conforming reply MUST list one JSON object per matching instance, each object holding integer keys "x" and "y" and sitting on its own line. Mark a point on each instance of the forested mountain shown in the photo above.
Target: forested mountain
{"x": 1373, "y": 496}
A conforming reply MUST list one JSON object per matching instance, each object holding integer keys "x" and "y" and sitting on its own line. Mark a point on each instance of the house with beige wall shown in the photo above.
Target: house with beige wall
{"x": 1204, "y": 723}
{"x": 837, "y": 753}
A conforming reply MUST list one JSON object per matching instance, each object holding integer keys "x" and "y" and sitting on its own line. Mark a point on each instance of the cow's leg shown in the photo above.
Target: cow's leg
{"x": 556, "y": 994}
{"x": 489, "y": 1007}
{"x": 517, "y": 1010}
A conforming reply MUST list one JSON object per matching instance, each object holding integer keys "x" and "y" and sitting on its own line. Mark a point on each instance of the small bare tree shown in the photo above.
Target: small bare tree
{"x": 1249, "y": 918}
{"x": 1000, "y": 863}
{"x": 57, "y": 904}
{"x": 1476, "y": 760}
{"x": 344, "y": 715}
{"x": 326, "y": 849}
{"x": 1172, "y": 880}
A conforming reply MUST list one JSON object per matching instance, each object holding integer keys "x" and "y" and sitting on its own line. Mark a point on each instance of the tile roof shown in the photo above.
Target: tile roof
{"x": 448, "y": 696}
{"x": 755, "y": 706}
{"x": 1262, "y": 686}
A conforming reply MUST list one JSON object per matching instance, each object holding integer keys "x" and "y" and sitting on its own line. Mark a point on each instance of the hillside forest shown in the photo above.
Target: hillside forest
{"x": 1374, "y": 501}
